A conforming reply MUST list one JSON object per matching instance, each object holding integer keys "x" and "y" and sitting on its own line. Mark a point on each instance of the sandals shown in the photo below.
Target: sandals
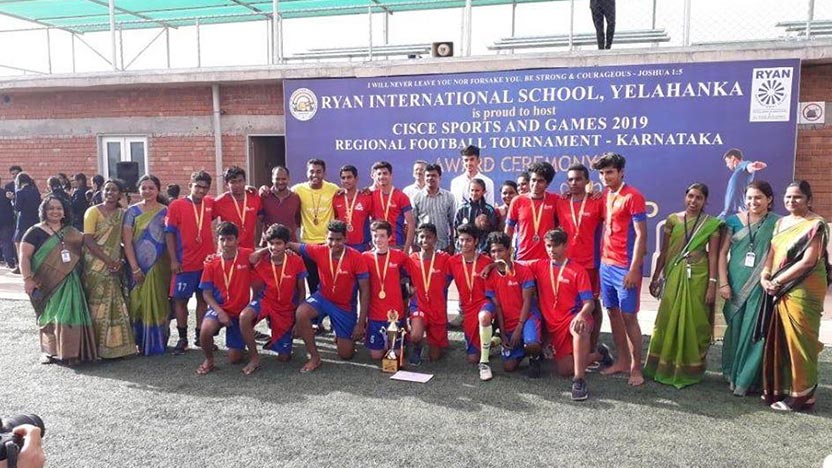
{"x": 783, "y": 406}
{"x": 204, "y": 369}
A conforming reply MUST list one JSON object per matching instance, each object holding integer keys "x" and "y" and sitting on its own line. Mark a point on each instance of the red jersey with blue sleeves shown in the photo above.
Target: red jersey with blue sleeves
{"x": 391, "y": 207}
{"x": 433, "y": 299}
{"x": 559, "y": 308}
{"x": 471, "y": 299}
{"x": 521, "y": 216}
{"x": 508, "y": 289}
{"x": 337, "y": 285}
{"x": 362, "y": 208}
{"x": 622, "y": 210}
{"x": 236, "y": 294}
{"x": 192, "y": 244}
{"x": 584, "y": 229}
{"x": 391, "y": 282}
{"x": 281, "y": 282}
{"x": 226, "y": 208}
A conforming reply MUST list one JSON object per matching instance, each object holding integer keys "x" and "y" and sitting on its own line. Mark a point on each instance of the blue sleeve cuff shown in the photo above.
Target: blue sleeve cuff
{"x": 303, "y": 274}
{"x": 529, "y": 284}
{"x": 303, "y": 250}
{"x": 585, "y": 295}
{"x": 640, "y": 217}
{"x": 489, "y": 294}
{"x": 362, "y": 276}
{"x": 511, "y": 222}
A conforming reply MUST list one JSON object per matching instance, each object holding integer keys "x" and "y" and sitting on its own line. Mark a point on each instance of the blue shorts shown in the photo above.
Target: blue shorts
{"x": 343, "y": 322}
{"x": 376, "y": 336}
{"x": 184, "y": 285}
{"x": 233, "y": 335}
{"x": 531, "y": 335}
{"x": 280, "y": 327}
{"x": 613, "y": 293}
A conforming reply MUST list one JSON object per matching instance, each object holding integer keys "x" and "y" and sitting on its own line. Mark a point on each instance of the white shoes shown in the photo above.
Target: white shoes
{"x": 485, "y": 372}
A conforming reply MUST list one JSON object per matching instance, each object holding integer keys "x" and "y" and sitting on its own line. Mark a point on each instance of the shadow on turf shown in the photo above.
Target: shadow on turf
{"x": 455, "y": 384}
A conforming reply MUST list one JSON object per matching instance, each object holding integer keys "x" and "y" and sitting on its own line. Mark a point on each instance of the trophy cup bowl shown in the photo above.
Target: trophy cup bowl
{"x": 392, "y": 361}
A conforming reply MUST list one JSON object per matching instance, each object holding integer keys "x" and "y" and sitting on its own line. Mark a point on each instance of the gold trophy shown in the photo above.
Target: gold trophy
{"x": 393, "y": 360}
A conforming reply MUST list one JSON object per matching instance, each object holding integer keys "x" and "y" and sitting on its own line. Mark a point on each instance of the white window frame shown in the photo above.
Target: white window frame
{"x": 124, "y": 141}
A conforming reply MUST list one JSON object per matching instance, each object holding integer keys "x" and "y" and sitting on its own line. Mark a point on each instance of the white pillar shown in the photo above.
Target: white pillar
{"x": 370, "y": 30}
{"x": 686, "y": 24}
{"x": 277, "y": 33}
{"x": 571, "y": 24}
{"x": 198, "y": 46}
{"x": 167, "y": 46}
{"x": 468, "y": 24}
{"x": 217, "y": 123}
{"x": 810, "y": 17}
{"x": 113, "y": 34}
{"x": 49, "y": 50}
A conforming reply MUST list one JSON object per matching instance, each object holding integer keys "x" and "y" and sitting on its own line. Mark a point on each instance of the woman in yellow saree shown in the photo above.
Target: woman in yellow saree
{"x": 103, "y": 275}
{"x": 50, "y": 255}
{"x": 149, "y": 279}
{"x": 795, "y": 279}
{"x": 688, "y": 264}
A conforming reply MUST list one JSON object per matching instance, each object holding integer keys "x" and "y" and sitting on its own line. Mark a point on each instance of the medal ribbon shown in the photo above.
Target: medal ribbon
{"x": 241, "y": 213}
{"x": 537, "y": 215}
{"x": 350, "y": 206}
{"x": 199, "y": 217}
{"x": 316, "y": 206}
{"x": 278, "y": 280}
{"x": 610, "y": 204}
{"x": 577, "y": 221}
{"x": 389, "y": 201}
{"x": 427, "y": 276}
{"x": 556, "y": 285}
{"x": 381, "y": 277}
{"x": 334, "y": 273}
{"x": 469, "y": 281}
{"x": 227, "y": 277}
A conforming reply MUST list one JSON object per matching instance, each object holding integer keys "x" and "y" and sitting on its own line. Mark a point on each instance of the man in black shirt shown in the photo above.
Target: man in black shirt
{"x": 7, "y": 226}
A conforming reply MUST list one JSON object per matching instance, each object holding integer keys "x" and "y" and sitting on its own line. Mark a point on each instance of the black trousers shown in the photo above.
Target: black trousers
{"x": 601, "y": 10}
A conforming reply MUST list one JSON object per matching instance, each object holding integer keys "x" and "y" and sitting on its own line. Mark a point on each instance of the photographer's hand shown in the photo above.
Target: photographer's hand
{"x": 31, "y": 455}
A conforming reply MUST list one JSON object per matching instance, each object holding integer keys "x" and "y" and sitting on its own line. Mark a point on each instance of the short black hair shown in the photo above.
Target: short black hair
{"x": 610, "y": 159}
{"x": 227, "y": 228}
{"x": 469, "y": 229}
{"x": 381, "y": 224}
{"x": 525, "y": 175}
{"x": 98, "y": 180}
{"x": 434, "y": 168}
{"x": 509, "y": 183}
{"x": 478, "y": 181}
{"x": 173, "y": 190}
{"x": 698, "y": 186}
{"x": 470, "y": 150}
{"x": 81, "y": 178}
{"x": 348, "y": 168}
{"x": 733, "y": 153}
{"x": 15, "y": 168}
{"x": 557, "y": 236}
{"x": 23, "y": 178}
{"x": 338, "y": 226}
{"x": 54, "y": 183}
{"x": 316, "y": 162}
{"x": 122, "y": 187}
{"x": 498, "y": 237}
{"x": 543, "y": 169}
{"x": 281, "y": 168}
{"x": 233, "y": 172}
{"x": 382, "y": 165}
{"x": 201, "y": 176}
{"x": 428, "y": 227}
{"x": 277, "y": 231}
{"x": 578, "y": 167}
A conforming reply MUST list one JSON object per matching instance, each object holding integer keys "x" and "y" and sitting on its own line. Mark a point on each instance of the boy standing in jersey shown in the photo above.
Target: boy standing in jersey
{"x": 477, "y": 311}
{"x": 511, "y": 288}
{"x": 385, "y": 266}
{"x": 622, "y": 254}
{"x": 279, "y": 278}
{"x": 581, "y": 216}
{"x": 226, "y": 287}
{"x": 430, "y": 276}
{"x": 531, "y": 216}
{"x": 342, "y": 271}
{"x": 392, "y": 205}
{"x": 189, "y": 242}
{"x": 354, "y": 207}
{"x": 239, "y": 206}
{"x": 566, "y": 304}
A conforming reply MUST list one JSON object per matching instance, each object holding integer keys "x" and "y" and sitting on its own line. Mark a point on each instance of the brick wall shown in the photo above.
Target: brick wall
{"x": 44, "y": 157}
{"x": 814, "y": 143}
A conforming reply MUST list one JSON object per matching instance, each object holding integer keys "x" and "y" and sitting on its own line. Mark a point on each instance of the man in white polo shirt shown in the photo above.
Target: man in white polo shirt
{"x": 460, "y": 183}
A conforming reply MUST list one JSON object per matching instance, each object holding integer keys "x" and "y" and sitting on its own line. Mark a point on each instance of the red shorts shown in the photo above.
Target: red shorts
{"x": 560, "y": 336}
{"x": 436, "y": 328}
{"x": 594, "y": 281}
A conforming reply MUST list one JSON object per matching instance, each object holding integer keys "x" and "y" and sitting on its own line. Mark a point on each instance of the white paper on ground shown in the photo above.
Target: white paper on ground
{"x": 411, "y": 376}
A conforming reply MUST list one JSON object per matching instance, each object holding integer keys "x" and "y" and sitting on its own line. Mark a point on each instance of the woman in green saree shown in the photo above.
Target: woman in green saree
{"x": 747, "y": 239}
{"x": 102, "y": 275}
{"x": 149, "y": 280}
{"x": 50, "y": 252}
{"x": 795, "y": 277}
{"x": 688, "y": 263}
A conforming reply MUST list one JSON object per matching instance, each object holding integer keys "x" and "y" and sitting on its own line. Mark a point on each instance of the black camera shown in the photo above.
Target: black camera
{"x": 10, "y": 443}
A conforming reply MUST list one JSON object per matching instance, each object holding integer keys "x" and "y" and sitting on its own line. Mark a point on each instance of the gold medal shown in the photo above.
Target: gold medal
{"x": 315, "y": 221}
{"x": 381, "y": 276}
{"x": 382, "y": 294}
{"x": 350, "y": 228}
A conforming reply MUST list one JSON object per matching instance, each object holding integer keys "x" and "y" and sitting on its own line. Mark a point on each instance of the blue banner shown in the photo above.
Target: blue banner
{"x": 673, "y": 123}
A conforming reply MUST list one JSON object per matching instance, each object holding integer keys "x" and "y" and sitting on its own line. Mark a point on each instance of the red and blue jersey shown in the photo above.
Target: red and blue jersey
{"x": 359, "y": 233}
{"x": 521, "y": 215}
{"x": 193, "y": 245}
{"x": 391, "y": 283}
{"x": 399, "y": 204}
{"x": 471, "y": 299}
{"x": 508, "y": 290}
{"x": 281, "y": 297}
{"x": 337, "y": 285}
{"x": 226, "y": 208}
{"x": 559, "y": 308}
{"x": 234, "y": 295}
{"x": 433, "y": 299}
{"x": 622, "y": 210}
{"x": 583, "y": 246}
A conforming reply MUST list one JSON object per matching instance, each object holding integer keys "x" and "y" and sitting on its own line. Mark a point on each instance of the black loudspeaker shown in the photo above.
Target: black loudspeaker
{"x": 442, "y": 49}
{"x": 128, "y": 171}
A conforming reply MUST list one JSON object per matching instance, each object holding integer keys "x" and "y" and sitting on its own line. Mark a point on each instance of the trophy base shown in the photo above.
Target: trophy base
{"x": 391, "y": 366}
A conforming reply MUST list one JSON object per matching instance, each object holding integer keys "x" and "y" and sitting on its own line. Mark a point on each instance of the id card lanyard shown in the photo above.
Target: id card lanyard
{"x": 751, "y": 256}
